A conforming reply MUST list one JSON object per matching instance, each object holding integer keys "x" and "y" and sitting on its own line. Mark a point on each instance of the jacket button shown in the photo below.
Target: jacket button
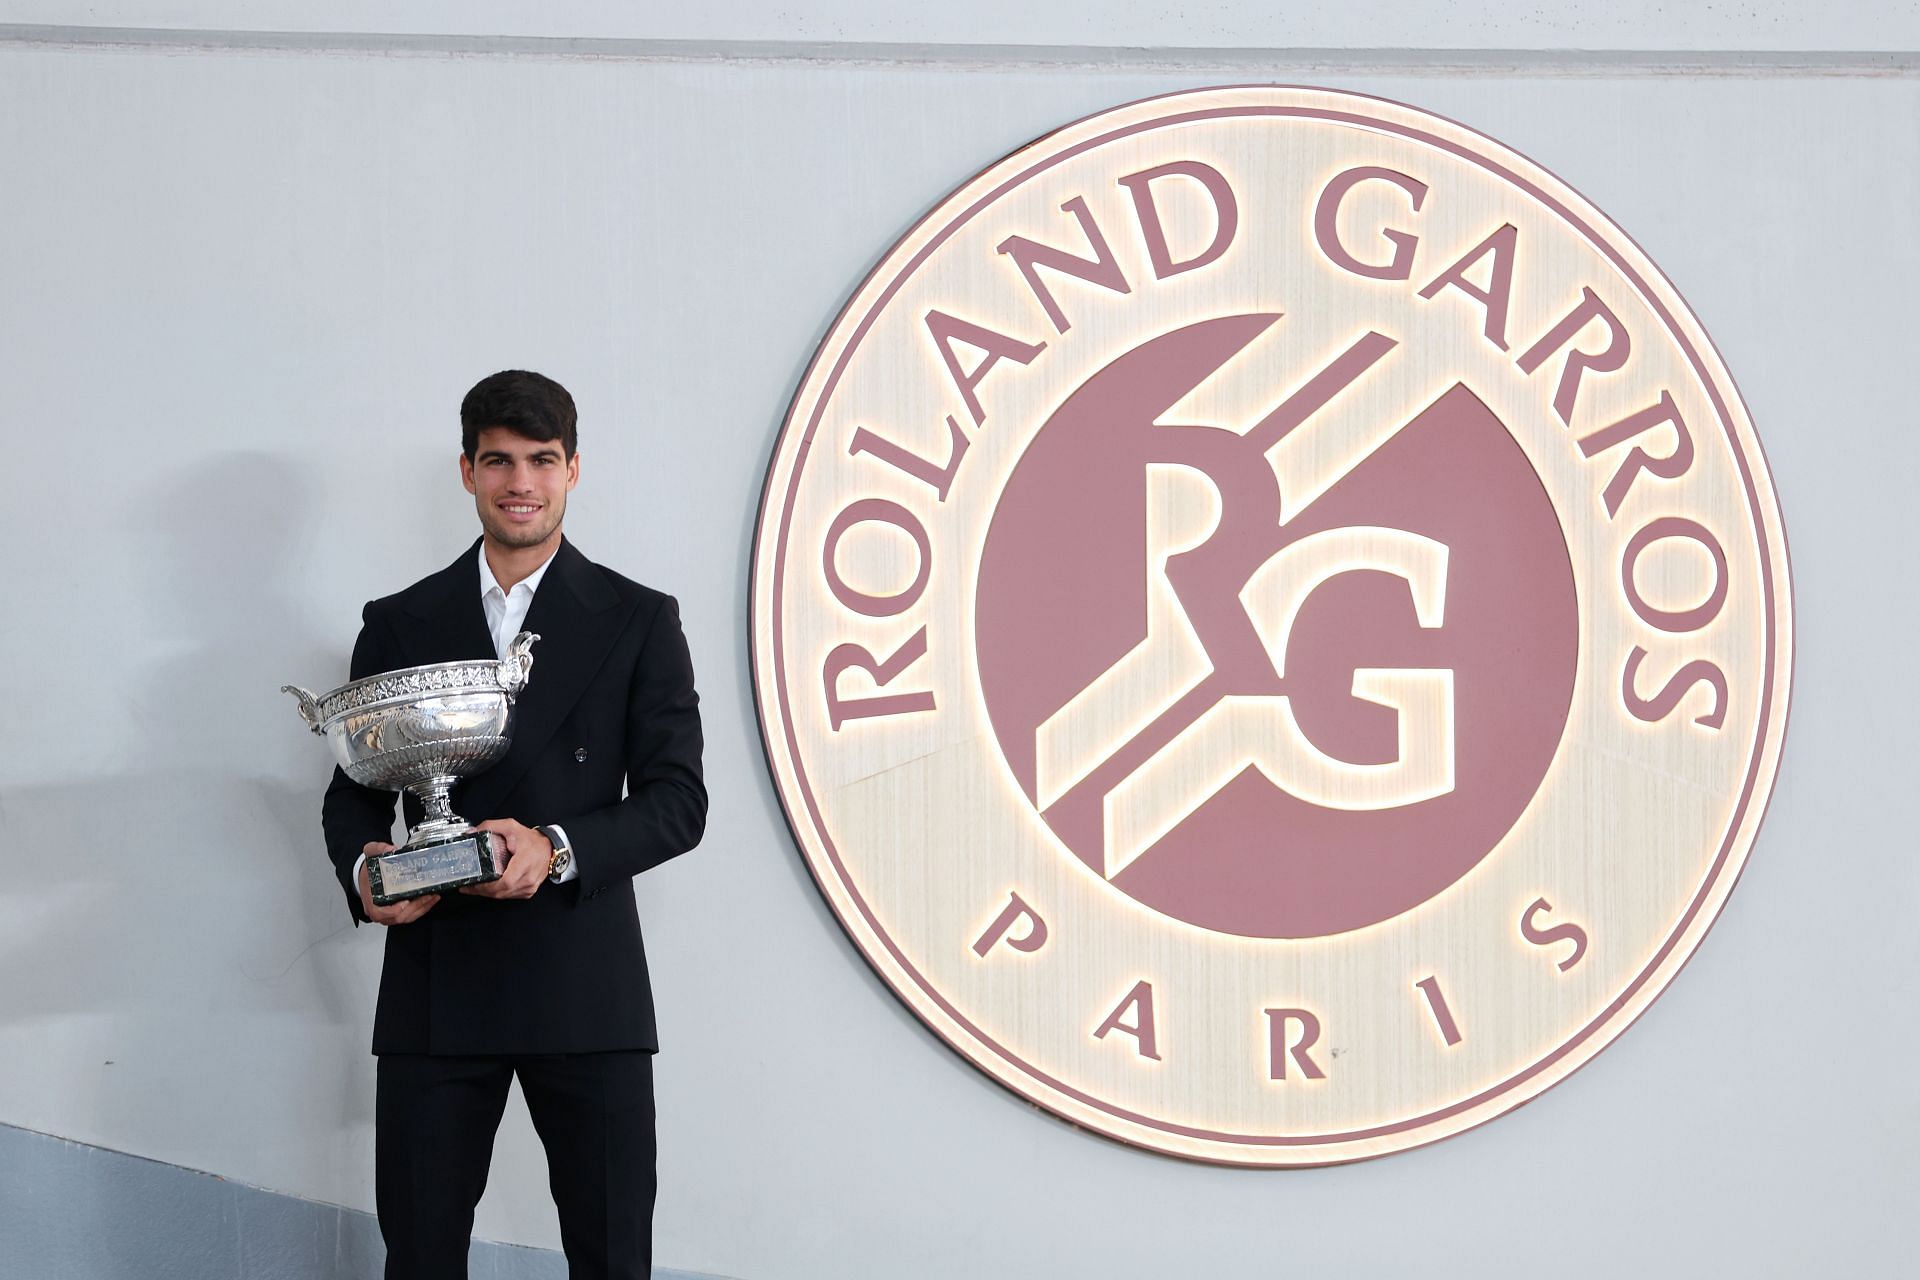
{"x": 580, "y": 754}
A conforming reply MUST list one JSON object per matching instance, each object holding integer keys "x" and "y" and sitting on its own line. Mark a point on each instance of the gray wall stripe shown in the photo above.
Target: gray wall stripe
{"x": 1612, "y": 63}
{"x": 69, "y": 1211}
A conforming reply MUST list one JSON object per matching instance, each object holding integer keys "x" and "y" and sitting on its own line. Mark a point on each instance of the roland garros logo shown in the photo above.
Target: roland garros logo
{"x": 1271, "y": 626}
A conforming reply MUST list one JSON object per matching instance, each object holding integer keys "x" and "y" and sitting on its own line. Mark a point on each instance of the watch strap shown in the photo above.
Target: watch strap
{"x": 562, "y": 852}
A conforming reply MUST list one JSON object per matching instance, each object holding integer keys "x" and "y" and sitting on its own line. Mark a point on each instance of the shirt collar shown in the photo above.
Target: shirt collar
{"x": 489, "y": 584}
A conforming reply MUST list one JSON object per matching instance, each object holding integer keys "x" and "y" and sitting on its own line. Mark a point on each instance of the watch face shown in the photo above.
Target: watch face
{"x": 1271, "y": 625}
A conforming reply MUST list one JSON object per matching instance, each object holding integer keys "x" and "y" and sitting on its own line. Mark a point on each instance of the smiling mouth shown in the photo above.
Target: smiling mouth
{"x": 519, "y": 509}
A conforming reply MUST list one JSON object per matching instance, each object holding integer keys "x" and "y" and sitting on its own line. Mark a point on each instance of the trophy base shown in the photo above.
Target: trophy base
{"x": 435, "y": 866}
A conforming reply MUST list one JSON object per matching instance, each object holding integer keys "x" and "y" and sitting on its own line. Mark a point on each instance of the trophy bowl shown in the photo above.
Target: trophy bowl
{"x": 421, "y": 730}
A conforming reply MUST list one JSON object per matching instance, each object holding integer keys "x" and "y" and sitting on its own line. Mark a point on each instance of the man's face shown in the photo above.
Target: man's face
{"x": 519, "y": 485}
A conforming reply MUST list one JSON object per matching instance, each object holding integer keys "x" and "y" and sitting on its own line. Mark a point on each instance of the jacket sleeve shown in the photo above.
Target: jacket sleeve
{"x": 350, "y": 814}
{"x": 665, "y": 809}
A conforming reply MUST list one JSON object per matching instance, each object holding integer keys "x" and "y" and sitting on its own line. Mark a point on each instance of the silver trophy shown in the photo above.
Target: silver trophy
{"x": 421, "y": 730}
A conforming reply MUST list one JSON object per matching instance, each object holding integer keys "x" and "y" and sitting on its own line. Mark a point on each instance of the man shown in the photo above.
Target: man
{"x": 541, "y": 973}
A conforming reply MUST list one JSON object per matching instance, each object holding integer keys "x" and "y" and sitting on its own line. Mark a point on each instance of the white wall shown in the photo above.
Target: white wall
{"x": 243, "y": 290}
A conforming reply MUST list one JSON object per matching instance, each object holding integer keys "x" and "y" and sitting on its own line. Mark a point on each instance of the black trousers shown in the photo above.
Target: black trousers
{"x": 434, "y": 1122}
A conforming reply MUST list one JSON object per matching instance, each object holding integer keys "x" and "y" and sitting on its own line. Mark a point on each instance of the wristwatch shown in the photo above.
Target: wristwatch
{"x": 562, "y": 852}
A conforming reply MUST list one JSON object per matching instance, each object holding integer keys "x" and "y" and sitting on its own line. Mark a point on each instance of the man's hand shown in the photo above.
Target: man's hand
{"x": 529, "y": 857}
{"x": 405, "y": 912}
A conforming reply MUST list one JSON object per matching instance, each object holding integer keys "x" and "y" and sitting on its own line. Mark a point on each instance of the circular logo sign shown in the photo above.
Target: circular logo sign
{"x": 1271, "y": 626}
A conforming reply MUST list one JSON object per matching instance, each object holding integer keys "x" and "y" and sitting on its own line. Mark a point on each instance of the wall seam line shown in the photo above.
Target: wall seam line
{"x": 1734, "y": 63}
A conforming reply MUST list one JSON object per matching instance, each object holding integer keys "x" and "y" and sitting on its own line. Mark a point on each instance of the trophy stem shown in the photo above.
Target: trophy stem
{"x": 435, "y": 796}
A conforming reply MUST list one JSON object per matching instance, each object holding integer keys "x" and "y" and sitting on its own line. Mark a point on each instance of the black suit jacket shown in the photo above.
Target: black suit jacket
{"x": 609, "y": 708}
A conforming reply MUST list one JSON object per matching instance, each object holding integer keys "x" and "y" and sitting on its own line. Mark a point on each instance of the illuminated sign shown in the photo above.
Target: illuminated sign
{"x": 1271, "y": 626}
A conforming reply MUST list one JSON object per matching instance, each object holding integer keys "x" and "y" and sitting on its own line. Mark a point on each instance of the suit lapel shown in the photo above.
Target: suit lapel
{"x": 450, "y": 622}
{"x": 574, "y": 615}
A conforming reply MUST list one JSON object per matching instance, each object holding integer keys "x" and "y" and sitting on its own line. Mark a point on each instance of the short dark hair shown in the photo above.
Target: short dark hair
{"x": 528, "y": 404}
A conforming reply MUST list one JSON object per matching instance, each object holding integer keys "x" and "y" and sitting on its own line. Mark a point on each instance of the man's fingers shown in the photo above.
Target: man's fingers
{"x": 519, "y": 876}
{"x": 507, "y": 886}
{"x": 404, "y": 912}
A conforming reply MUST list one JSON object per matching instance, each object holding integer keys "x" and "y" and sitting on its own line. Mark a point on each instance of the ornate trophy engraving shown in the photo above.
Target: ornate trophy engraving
{"x": 421, "y": 730}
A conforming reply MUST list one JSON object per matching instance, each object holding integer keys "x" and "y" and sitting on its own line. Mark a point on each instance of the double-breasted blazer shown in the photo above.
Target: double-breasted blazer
{"x": 606, "y": 742}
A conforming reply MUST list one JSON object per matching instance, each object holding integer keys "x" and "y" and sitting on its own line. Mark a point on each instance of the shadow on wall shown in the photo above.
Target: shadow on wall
{"x": 193, "y": 979}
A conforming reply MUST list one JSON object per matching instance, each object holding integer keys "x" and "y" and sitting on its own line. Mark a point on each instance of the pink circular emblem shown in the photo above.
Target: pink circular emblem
{"x": 1271, "y": 626}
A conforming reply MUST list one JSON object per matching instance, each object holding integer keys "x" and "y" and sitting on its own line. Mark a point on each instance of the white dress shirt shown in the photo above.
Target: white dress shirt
{"x": 507, "y": 610}
{"x": 506, "y": 614}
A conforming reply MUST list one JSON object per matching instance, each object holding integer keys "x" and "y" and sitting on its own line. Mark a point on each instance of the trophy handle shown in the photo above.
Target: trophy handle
{"x": 518, "y": 664}
{"x": 309, "y": 705}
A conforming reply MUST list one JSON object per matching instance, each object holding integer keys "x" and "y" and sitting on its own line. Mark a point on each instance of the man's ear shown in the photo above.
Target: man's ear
{"x": 466, "y": 472}
{"x": 573, "y": 471}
